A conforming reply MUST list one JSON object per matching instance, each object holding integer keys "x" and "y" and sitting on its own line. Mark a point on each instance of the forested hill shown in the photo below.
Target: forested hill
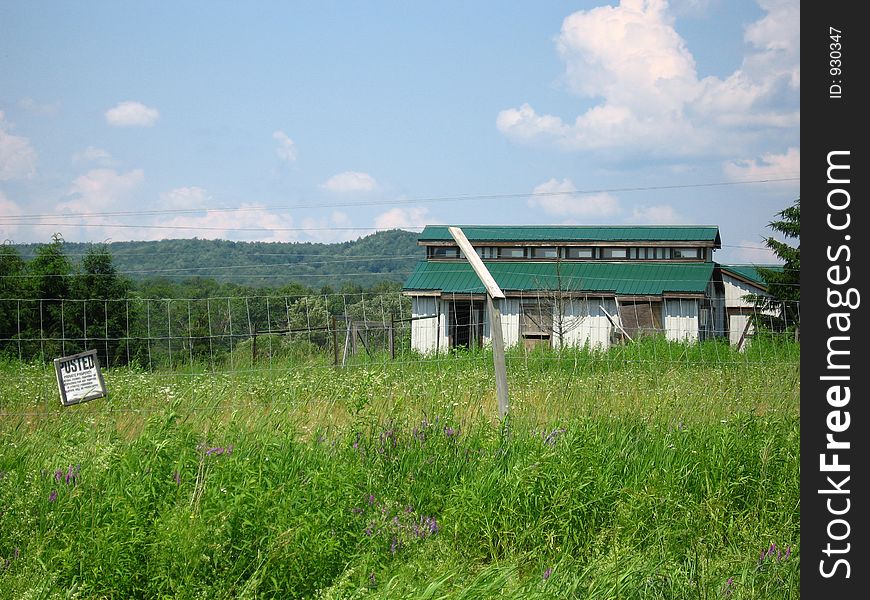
{"x": 382, "y": 256}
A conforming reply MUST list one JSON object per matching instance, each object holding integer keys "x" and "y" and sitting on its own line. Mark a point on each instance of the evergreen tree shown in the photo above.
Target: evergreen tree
{"x": 11, "y": 281}
{"x": 783, "y": 285}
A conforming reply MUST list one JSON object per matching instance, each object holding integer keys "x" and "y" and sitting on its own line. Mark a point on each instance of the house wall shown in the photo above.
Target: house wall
{"x": 585, "y": 323}
{"x": 738, "y": 308}
{"x": 510, "y": 323}
{"x": 425, "y": 332}
{"x": 681, "y": 319}
{"x": 735, "y": 290}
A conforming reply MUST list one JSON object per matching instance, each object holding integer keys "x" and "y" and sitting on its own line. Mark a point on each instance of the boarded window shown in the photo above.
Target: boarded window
{"x": 536, "y": 323}
{"x": 642, "y": 317}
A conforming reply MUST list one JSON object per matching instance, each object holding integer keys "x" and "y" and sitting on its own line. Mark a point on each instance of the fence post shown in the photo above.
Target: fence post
{"x": 493, "y": 295}
{"x": 392, "y": 337}
{"x": 254, "y": 349}
{"x": 334, "y": 341}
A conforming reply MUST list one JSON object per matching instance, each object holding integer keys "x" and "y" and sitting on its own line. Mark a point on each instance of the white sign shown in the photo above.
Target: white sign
{"x": 79, "y": 378}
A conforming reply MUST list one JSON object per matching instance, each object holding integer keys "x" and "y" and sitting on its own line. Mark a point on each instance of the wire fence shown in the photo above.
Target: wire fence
{"x": 202, "y": 344}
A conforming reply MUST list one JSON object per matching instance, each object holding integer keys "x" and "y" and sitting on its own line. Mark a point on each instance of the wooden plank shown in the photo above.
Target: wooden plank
{"x": 501, "y": 387}
{"x": 474, "y": 260}
{"x": 614, "y": 323}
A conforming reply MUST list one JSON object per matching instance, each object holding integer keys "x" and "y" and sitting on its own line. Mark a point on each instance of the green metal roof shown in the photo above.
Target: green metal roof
{"x": 623, "y": 278}
{"x": 577, "y": 233}
{"x": 750, "y": 272}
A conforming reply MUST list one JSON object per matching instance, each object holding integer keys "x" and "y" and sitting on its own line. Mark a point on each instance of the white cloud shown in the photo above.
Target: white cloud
{"x": 95, "y": 155}
{"x": 43, "y": 109}
{"x": 17, "y": 156}
{"x": 413, "y": 218}
{"x": 662, "y": 214}
{"x": 770, "y": 166}
{"x": 560, "y": 198}
{"x": 185, "y": 198}
{"x": 648, "y": 93}
{"x": 336, "y": 227}
{"x": 8, "y": 230}
{"x": 101, "y": 190}
{"x": 755, "y": 253}
{"x": 251, "y": 222}
{"x": 286, "y": 149}
{"x": 351, "y": 181}
{"x": 131, "y": 114}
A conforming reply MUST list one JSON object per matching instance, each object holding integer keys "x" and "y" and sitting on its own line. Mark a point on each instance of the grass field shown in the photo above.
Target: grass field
{"x": 653, "y": 470}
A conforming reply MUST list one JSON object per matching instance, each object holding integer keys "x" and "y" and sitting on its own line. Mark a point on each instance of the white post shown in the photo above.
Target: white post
{"x": 494, "y": 296}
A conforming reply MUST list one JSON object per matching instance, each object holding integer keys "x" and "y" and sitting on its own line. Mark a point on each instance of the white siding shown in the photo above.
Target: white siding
{"x": 735, "y": 290}
{"x": 736, "y": 324}
{"x": 510, "y": 323}
{"x": 585, "y": 323}
{"x": 681, "y": 319}
{"x": 425, "y": 332}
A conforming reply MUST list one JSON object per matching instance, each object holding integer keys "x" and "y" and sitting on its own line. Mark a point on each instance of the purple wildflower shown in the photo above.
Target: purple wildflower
{"x": 787, "y": 553}
{"x": 369, "y": 531}
{"x": 547, "y": 573}
{"x": 58, "y": 475}
{"x": 394, "y": 546}
{"x": 52, "y": 496}
{"x": 176, "y": 476}
{"x": 371, "y": 499}
{"x": 728, "y": 587}
{"x": 551, "y": 438}
{"x": 71, "y": 475}
{"x": 16, "y": 553}
{"x": 449, "y": 431}
{"x": 356, "y": 510}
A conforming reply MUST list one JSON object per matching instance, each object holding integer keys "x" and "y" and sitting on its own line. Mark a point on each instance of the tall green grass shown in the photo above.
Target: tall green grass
{"x": 655, "y": 470}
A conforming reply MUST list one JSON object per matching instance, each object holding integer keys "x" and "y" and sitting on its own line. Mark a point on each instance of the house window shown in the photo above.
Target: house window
{"x": 545, "y": 253}
{"x": 487, "y": 252}
{"x": 654, "y": 253}
{"x": 687, "y": 253}
{"x": 614, "y": 253}
{"x": 578, "y": 252}
{"x": 512, "y": 252}
{"x": 443, "y": 252}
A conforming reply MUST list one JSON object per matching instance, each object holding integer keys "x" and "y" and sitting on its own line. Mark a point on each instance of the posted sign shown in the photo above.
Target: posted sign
{"x": 79, "y": 378}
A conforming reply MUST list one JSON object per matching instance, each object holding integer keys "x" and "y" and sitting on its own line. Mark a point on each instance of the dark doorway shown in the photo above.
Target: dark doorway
{"x": 466, "y": 324}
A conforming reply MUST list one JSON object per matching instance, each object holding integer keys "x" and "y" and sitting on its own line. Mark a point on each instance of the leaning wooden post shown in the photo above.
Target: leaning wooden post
{"x": 494, "y": 297}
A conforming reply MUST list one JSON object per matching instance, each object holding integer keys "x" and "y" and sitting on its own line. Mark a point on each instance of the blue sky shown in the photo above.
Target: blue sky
{"x": 325, "y": 121}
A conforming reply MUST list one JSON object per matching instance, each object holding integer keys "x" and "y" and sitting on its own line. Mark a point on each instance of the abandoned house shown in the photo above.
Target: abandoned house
{"x": 578, "y": 285}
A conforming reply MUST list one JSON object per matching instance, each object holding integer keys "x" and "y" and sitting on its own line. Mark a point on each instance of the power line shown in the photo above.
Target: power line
{"x": 423, "y": 200}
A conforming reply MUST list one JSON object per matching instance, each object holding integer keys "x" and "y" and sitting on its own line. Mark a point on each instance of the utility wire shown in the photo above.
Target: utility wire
{"x": 431, "y": 199}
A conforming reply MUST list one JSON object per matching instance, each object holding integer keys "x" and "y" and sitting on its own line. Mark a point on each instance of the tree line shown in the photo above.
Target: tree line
{"x": 53, "y": 306}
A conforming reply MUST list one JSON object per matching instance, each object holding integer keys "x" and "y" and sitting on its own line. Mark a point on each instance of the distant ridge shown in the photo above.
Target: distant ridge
{"x": 382, "y": 256}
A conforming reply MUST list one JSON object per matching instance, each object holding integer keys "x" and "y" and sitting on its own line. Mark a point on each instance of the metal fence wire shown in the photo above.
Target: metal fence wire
{"x": 172, "y": 338}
